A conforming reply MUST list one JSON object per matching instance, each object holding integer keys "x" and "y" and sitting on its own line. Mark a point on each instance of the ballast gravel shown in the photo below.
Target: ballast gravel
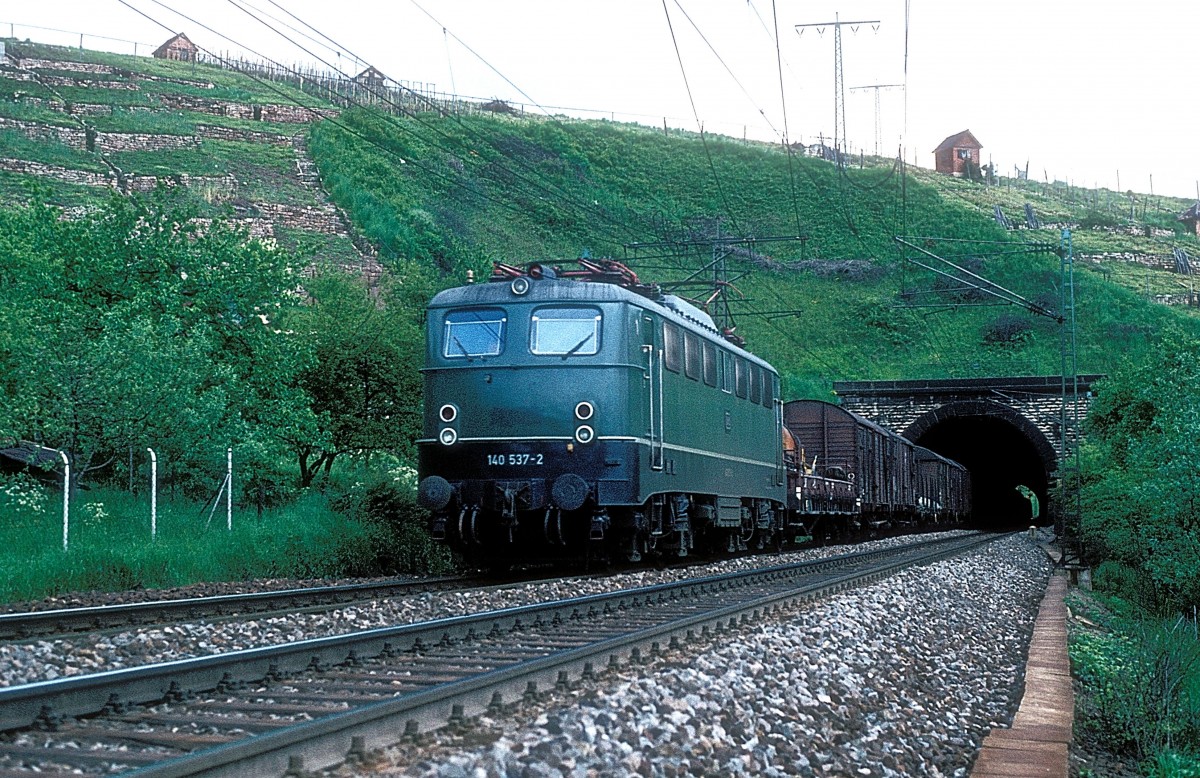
{"x": 901, "y": 678}
{"x": 43, "y": 660}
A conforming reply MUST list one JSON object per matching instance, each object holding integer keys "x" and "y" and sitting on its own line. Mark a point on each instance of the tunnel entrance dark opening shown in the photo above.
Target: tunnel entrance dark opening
{"x": 1000, "y": 457}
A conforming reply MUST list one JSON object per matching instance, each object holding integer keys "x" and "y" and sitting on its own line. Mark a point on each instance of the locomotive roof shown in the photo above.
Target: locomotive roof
{"x": 548, "y": 290}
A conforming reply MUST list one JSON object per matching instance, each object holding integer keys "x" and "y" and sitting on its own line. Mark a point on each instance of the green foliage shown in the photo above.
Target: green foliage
{"x": 1141, "y": 489}
{"x": 364, "y": 393}
{"x": 131, "y": 327}
{"x": 111, "y": 548}
{"x": 384, "y": 496}
{"x": 47, "y": 151}
{"x": 22, "y": 499}
{"x": 444, "y": 195}
{"x": 1141, "y": 686}
{"x": 1173, "y": 764}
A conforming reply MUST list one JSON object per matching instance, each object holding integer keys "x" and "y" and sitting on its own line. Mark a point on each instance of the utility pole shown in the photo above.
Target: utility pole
{"x": 877, "y": 87}
{"x": 839, "y": 86}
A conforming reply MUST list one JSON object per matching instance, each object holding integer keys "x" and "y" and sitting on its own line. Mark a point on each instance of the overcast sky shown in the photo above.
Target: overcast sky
{"x": 1080, "y": 92}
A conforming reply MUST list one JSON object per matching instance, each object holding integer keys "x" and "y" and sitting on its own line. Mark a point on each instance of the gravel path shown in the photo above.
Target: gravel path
{"x": 901, "y": 678}
{"x": 22, "y": 663}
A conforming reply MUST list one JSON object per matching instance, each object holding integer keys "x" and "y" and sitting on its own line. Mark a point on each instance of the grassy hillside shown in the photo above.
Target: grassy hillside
{"x": 442, "y": 194}
{"x": 456, "y": 193}
{"x": 157, "y": 122}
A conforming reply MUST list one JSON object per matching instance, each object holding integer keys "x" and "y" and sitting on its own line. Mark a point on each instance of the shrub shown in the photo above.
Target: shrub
{"x": 386, "y": 500}
{"x": 1172, "y": 764}
{"x": 1007, "y": 330}
{"x": 1142, "y": 683}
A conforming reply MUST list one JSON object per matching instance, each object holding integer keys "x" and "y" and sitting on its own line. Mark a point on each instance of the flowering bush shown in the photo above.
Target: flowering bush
{"x": 94, "y": 514}
{"x": 20, "y": 496}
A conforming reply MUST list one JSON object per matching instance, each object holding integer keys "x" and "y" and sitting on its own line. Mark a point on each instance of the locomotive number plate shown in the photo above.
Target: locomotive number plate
{"x": 514, "y": 459}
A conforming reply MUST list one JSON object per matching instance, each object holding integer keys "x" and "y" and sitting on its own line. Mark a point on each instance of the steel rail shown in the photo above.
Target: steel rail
{"x": 61, "y": 622}
{"x": 328, "y": 740}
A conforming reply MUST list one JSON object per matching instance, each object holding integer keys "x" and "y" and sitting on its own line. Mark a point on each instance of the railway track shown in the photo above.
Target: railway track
{"x": 317, "y": 703}
{"x": 66, "y": 622}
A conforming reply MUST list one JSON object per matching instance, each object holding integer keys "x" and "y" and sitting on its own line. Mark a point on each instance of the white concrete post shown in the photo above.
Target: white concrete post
{"x": 153, "y": 495}
{"x": 229, "y": 489}
{"x": 66, "y": 498}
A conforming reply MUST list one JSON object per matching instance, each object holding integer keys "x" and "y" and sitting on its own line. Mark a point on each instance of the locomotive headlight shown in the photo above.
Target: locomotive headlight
{"x": 519, "y": 285}
{"x": 584, "y": 411}
{"x": 448, "y": 436}
{"x": 448, "y": 413}
{"x": 584, "y": 434}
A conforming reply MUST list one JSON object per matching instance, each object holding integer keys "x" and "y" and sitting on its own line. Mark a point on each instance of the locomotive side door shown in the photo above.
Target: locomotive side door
{"x": 652, "y": 349}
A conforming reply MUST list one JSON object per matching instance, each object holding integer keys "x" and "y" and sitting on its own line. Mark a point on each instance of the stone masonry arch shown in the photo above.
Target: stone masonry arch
{"x": 1006, "y": 431}
{"x": 925, "y": 423}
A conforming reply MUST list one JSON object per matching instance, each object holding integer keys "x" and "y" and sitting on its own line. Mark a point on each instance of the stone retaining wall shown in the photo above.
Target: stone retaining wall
{"x": 244, "y": 136}
{"x": 283, "y": 114}
{"x": 86, "y": 83}
{"x": 1156, "y": 261}
{"x": 83, "y": 177}
{"x": 74, "y": 137}
{"x": 224, "y": 187}
{"x": 323, "y": 218}
{"x": 104, "y": 141}
{"x": 141, "y": 141}
{"x": 75, "y": 67}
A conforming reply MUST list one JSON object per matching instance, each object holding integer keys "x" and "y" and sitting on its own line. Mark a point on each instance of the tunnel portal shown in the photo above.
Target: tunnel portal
{"x": 1001, "y": 455}
{"x": 1006, "y": 430}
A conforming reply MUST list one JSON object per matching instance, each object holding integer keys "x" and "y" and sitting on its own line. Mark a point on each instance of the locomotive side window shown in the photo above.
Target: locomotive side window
{"x": 755, "y": 375}
{"x": 726, "y": 372}
{"x": 565, "y": 332}
{"x": 691, "y": 356}
{"x": 742, "y": 378}
{"x": 710, "y": 364}
{"x": 672, "y": 347}
{"x": 473, "y": 332}
{"x": 770, "y": 389}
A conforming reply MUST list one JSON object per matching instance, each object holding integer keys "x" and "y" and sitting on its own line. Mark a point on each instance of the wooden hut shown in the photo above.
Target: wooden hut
{"x": 958, "y": 154}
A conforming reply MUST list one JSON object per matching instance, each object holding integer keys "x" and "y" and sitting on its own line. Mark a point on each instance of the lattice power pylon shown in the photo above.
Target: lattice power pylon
{"x": 878, "y": 126}
{"x": 839, "y": 86}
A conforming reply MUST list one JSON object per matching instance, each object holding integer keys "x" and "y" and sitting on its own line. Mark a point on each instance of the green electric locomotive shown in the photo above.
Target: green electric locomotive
{"x": 582, "y": 412}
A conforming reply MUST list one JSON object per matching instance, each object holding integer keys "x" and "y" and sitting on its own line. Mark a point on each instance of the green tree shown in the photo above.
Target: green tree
{"x": 139, "y": 325}
{"x": 1141, "y": 482}
{"x": 364, "y": 383}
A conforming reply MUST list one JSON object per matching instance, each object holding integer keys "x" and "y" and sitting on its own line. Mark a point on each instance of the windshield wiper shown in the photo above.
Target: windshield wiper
{"x": 461, "y": 347}
{"x": 579, "y": 345}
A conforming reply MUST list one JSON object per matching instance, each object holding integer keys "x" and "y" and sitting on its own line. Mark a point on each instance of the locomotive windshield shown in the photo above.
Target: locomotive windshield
{"x": 477, "y": 332}
{"x": 565, "y": 331}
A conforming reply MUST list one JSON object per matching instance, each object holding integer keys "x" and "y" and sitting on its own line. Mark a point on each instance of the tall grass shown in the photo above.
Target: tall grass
{"x": 111, "y": 547}
{"x": 1141, "y": 688}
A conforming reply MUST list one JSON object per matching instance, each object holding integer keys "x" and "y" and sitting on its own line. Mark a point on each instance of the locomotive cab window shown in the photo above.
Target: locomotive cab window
{"x": 565, "y": 332}
{"x": 742, "y": 378}
{"x": 473, "y": 332}
{"x": 755, "y": 376}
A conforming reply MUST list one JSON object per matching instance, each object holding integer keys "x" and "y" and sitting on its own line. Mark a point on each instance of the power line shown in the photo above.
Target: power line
{"x": 564, "y": 197}
{"x": 704, "y": 140}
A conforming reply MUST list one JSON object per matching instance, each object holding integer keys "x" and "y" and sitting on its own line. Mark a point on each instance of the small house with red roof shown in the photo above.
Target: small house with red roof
{"x": 179, "y": 48}
{"x": 958, "y": 154}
